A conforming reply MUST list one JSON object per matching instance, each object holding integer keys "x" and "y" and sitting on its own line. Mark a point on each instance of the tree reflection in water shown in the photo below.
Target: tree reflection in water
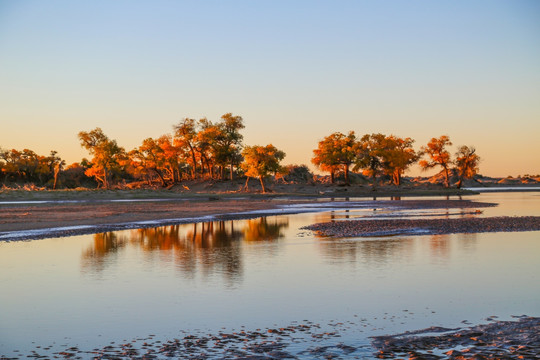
{"x": 387, "y": 249}
{"x": 379, "y": 251}
{"x": 208, "y": 248}
{"x": 440, "y": 246}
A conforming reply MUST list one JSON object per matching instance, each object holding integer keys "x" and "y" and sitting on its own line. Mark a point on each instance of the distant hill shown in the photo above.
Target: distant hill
{"x": 478, "y": 180}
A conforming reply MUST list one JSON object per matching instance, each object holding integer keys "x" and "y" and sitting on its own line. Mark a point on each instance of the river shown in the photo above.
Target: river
{"x": 162, "y": 283}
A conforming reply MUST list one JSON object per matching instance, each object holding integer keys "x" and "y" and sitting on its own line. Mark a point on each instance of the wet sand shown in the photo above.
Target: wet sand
{"x": 364, "y": 228}
{"x": 496, "y": 340}
{"x": 24, "y": 216}
{"x": 518, "y": 339}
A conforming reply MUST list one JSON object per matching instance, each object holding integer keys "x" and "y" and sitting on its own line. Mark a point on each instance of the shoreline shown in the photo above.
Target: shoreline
{"x": 287, "y": 191}
{"x": 369, "y": 228}
{"x": 497, "y": 339}
{"x": 58, "y": 219}
{"x": 23, "y": 221}
{"x": 517, "y": 338}
{"x": 26, "y": 215}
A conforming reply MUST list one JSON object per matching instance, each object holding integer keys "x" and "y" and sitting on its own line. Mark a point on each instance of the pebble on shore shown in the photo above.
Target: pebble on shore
{"x": 365, "y": 228}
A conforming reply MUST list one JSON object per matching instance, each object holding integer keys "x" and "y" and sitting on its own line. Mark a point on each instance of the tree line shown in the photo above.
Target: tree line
{"x": 377, "y": 155}
{"x": 203, "y": 149}
{"x": 28, "y": 167}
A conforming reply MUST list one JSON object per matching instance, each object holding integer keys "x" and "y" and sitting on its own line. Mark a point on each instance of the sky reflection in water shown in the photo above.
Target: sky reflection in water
{"x": 93, "y": 289}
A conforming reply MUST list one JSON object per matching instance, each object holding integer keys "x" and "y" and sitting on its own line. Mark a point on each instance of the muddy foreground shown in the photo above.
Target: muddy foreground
{"x": 518, "y": 339}
{"x": 496, "y": 340}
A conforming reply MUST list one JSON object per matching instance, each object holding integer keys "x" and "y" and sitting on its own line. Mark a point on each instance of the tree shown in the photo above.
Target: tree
{"x": 15, "y": 166}
{"x": 261, "y": 161}
{"x": 107, "y": 155}
{"x": 397, "y": 155}
{"x": 173, "y": 159}
{"x": 55, "y": 165}
{"x": 74, "y": 175}
{"x": 466, "y": 163}
{"x": 369, "y": 151}
{"x": 438, "y": 155}
{"x": 207, "y": 144}
{"x": 335, "y": 150}
{"x": 211, "y": 143}
{"x": 185, "y": 137}
{"x": 148, "y": 159}
{"x": 2, "y": 164}
{"x": 28, "y": 166}
{"x": 229, "y": 141}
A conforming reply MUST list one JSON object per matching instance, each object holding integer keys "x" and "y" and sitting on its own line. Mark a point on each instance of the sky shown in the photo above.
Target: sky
{"x": 296, "y": 71}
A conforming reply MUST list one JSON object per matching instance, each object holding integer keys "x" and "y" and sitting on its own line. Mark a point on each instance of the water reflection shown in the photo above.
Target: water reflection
{"x": 208, "y": 248}
{"x": 104, "y": 247}
{"x": 387, "y": 249}
{"x": 380, "y": 251}
{"x": 439, "y": 246}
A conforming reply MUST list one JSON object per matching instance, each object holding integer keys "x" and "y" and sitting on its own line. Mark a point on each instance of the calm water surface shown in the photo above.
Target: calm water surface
{"x": 90, "y": 290}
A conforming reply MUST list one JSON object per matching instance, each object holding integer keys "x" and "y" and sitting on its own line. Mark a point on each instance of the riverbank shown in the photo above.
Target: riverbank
{"x": 495, "y": 340}
{"x": 35, "y": 219}
{"x": 227, "y": 190}
{"x": 518, "y": 339}
{"x": 66, "y": 218}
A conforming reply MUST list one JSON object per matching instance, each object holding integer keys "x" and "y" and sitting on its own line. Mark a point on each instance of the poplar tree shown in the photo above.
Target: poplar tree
{"x": 107, "y": 155}
{"x": 261, "y": 161}
{"x": 438, "y": 155}
{"x": 466, "y": 163}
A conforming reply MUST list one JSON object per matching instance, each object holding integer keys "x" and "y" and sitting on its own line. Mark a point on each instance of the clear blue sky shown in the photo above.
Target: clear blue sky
{"x": 295, "y": 70}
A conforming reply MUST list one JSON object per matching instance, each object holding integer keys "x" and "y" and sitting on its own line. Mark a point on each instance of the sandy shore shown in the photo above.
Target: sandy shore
{"x": 426, "y": 226}
{"x": 307, "y": 340}
{"x": 32, "y": 216}
{"x": 496, "y": 340}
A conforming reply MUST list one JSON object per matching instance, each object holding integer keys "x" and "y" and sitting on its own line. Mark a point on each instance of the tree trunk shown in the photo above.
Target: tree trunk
{"x": 246, "y": 185}
{"x": 459, "y": 183}
{"x": 194, "y": 162}
{"x": 347, "y": 174}
{"x": 262, "y": 184}
{"x": 194, "y": 236}
{"x": 397, "y": 178}
{"x": 207, "y": 162}
{"x": 374, "y": 179}
{"x": 161, "y": 178}
{"x": 56, "y": 171}
{"x": 446, "y": 183}
{"x": 332, "y": 176}
{"x": 232, "y": 174}
{"x": 105, "y": 181}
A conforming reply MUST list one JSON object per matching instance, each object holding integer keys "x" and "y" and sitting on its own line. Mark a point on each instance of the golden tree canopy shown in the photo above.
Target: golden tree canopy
{"x": 262, "y": 161}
